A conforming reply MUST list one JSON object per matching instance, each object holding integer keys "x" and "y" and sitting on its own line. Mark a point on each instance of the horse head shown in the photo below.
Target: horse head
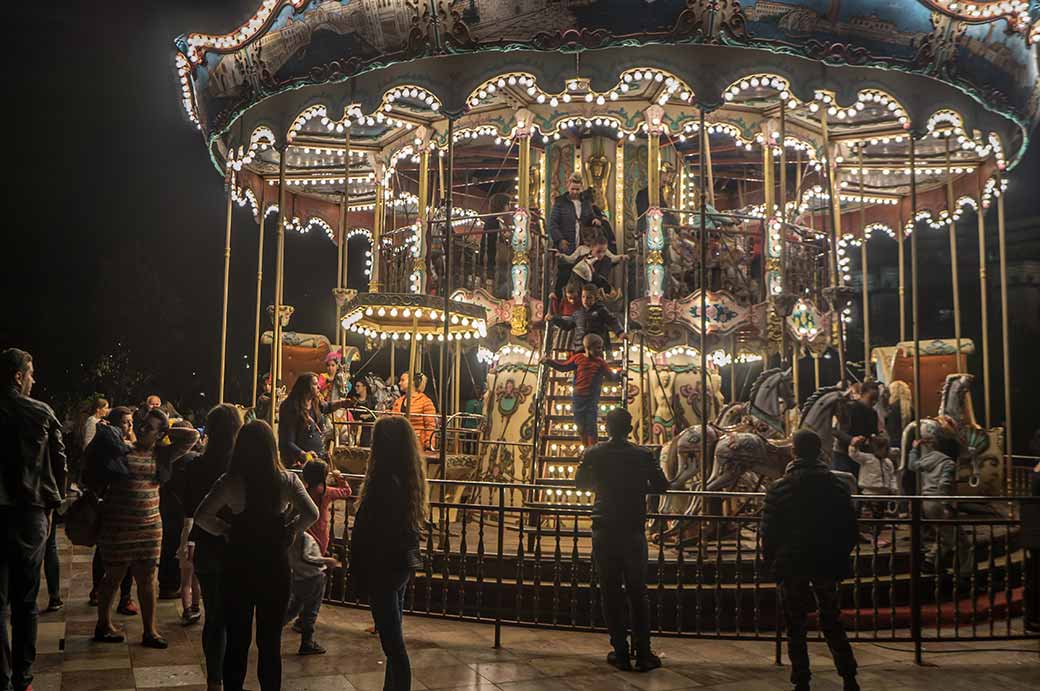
{"x": 818, "y": 411}
{"x": 955, "y": 401}
{"x": 771, "y": 394}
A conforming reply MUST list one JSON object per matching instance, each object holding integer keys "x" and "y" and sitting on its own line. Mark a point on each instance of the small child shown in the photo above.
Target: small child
{"x": 563, "y": 338}
{"x": 316, "y": 478}
{"x": 592, "y": 318}
{"x": 877, "y": 475}
{"x": 308, "y": 588}
{"x": 589, "y": 370}
{"x": 592, "y": 259}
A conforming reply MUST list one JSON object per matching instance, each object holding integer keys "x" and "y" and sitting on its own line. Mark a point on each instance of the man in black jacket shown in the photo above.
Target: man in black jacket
{"x": 861, "y": 420}
{"x": 622, "y": 474}
{"x": 32, "y": 482}
{"x": 808, "y": 530}
{"x": 569, "y": 213}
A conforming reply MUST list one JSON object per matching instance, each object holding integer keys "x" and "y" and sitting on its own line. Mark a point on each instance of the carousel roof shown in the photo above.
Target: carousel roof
{"x": 303, "y": 74}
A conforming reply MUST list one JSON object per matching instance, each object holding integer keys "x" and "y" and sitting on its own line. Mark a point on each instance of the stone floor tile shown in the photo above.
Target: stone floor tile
{"x": 660, "y": 680}
{"x": 543, "y": 684}
{"x": 569, "y": 665}
{"x": 503, "y": 672}
{"x": 613, "y": 681}
{"x": 373, "y": 681}
{"x": 448, "y": 676}
{"x": 169, "y": 675}
{"x": 334, "y": 682}
{"x": 325, "y": 665}
{"x": 98, "y": 680}
{"x": 46, "y": 681}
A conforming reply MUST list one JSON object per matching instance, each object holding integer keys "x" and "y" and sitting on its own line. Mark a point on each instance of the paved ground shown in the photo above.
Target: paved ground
{"x": 455, "y": 655}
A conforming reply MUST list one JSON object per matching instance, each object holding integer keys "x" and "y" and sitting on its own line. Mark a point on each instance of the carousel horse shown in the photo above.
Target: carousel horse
{"x": 955, "y": 421}
{"x": 771, "y": 394}
{"x": 740, "y": 452}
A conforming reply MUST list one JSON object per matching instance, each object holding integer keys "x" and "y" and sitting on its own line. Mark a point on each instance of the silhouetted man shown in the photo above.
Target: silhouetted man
{"x": 32, "y": 481}
{"x": 808, "y": 530}
{"x": 622, "y": 474}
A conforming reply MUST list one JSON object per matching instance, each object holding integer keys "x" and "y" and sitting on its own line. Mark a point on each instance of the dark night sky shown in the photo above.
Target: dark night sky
{"x": 115, "y": 240}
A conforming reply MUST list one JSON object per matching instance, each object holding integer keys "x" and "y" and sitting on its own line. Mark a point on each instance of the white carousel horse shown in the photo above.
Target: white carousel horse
{"x": 771, "y": 395}
{"x": 955, "y": 421}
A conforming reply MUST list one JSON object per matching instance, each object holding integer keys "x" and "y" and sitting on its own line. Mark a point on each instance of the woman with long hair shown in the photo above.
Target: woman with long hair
{"x": 390, "y": 519}
{"x": 200, "y": 552}
{"x": 259, "y": 508}
{"x": 302, "y": 427}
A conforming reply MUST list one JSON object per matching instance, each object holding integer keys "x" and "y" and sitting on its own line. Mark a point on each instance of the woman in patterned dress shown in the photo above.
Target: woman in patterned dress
{"x": 131, "y": 528}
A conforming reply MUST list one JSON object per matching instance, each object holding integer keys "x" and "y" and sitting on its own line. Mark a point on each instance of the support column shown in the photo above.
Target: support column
{"x": 521, "y": 238}
{"x": 343, "y": 265}
{"x": 901, "y": 250}
{"x": 654, "y": 238}
{"x": 913, "y": 284}
{"x": 378, "y": 221}
{"x": 259, "y": 285}
{"x": 954, "y": 278}
{"x": 279, "y": 280}
{"x": 1002, "y": 248}
{"x": 230, "y": 182}
{"x": 417, "y": 280}
{"x": 864, "y": 272}
{"x": 835, "y": 218}
{"x": 702, "y": 240}
{"x": 980, "y": 215}
{"x": 446, "y": 288}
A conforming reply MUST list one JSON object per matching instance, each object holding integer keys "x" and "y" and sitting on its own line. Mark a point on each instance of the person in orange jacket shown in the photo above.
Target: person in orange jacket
{"x": 422, "y": 410}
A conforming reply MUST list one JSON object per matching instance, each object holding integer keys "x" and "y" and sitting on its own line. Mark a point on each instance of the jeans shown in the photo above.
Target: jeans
{"x": 586, "y": 416}
{"x": 214, "y": 634}
{"x": 387, "y": 605}
{"x": 24, "y": 532}
{"x": 264, "y": 589}
{"x": 305, "y": 601}
{"x": 797, "y": 594}
{"x": 949, "y": 546}
{"x": 97, "y": 572}
{"x": 52, "y": 564}
{"x": 620, "y": 560}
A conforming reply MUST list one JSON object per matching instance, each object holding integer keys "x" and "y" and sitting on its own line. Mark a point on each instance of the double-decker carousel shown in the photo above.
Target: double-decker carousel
{"x": 741, "y": 157}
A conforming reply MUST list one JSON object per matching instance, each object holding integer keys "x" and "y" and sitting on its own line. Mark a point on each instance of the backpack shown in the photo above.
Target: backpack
{"x": 83, "y": 520}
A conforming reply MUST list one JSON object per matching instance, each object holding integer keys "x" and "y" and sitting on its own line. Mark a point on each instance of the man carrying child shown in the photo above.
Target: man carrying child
{"x": 592, "y": 317}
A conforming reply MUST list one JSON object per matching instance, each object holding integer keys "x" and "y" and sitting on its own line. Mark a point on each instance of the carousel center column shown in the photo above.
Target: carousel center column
{"x": 521, "y": 240}
{"x": 422, "y": 224}
{"x": 654, "y": 239}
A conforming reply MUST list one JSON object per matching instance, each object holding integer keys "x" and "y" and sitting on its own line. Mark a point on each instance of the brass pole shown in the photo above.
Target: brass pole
{"x": 733, "y": 368}
{"x": 230, "y": 183}
{"x": 446, "y": 287}
{"x": 795, "y": 376}
{"x": 980, "y": 215}
{"x": 411, "y": 365}
{"x": 1002, "y": 246}
{"x": 279, "y": 279}
{"x": 901, "y": 250}
{"x": 816, "y": 370}
{"x": 835, "y": 219}
{"x": 259, "y": 284}
{"x": 950, "y": 202}
{"x": 914, "y": 324}
{"x": 375, "y": 279}
{"x": 863, "y": 266}
{"x": 653, "y": 169}
{"x": 702, "y": 240}
{"x": 457, "y": 378}
{"x": 783, "y": 165}
{"x": 711, "y": 173}
{"x": 768, "y": 181}
{"x": 343, "y": 268}
{"x": 393, "y": 365}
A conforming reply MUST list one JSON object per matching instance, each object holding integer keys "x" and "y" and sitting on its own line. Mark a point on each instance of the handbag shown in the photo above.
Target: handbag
{"x": 83, "y": 520}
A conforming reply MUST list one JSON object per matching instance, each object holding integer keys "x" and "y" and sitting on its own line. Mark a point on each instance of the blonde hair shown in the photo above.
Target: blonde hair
{"x": 576, "y": 177}
{"x": 899, "y": 392}
{"x": 592, "y": 341}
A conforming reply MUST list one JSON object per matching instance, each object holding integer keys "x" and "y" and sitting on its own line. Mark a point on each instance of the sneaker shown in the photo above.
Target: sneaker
{"x": 54, "y": 605}
{"x": 297, "y": 626}
{"x": 311, "y": 647}
{"x": 127, "y": 607}
{"x": 107, "y": 636}
{"x": 619, "y": 660}
{"x": 647, "y": 662}
{"x": 191, "y": 616}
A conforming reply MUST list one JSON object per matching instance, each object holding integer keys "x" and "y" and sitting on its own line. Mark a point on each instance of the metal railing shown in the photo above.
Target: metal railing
{"x": 917, "y": 576}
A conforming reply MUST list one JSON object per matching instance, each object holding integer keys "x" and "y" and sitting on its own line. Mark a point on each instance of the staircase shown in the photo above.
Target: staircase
{"x": 559, "y": 449}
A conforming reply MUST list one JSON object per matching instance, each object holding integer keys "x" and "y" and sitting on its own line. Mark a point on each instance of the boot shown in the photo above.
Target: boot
{"x": 647, "y": 661}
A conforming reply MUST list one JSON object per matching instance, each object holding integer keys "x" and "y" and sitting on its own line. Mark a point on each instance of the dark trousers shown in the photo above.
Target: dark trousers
{"x": 620, "y": 559}
{"x": 262, "y": 589}
{"x": 798, "y": 594}
{"x": 586, "y": 416}
{"x": 214, "y": 636}
{"x": 52, "y": 564}
{"x": 305, "y": 602}
{"x": 563, "y": 275}
{"x": 97, "y": 572}
{"x": 387, "y": 603}
{"x": 169, "y": 566}
{"x": 24, "y": 532}
{"x": 842, "y": 461}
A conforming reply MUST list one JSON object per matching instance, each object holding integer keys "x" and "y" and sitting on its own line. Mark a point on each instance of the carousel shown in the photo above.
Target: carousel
{"x": 739, "y": 160}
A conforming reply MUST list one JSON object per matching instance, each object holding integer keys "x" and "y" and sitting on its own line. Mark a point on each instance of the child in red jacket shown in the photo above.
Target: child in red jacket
{"x": 589, "y": 371}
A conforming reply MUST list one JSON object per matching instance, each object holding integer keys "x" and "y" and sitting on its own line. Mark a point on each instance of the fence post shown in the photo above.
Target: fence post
{"x": 498, "y": 571}
{"x": 915, "y": 576}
